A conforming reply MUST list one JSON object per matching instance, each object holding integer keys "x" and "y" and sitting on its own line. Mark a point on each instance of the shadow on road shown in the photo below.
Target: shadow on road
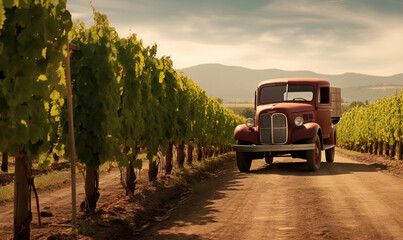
{"x": 300, "y": 168}
{"x": 204, "y": 215}
{"x": 199, "y": 209}
{"x": 179, "y": 236}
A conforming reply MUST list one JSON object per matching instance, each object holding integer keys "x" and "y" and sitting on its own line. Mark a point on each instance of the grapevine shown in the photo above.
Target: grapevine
{"x": 125, "y": 98}
{"x": 32, "y": 42}
{"x": 376, "y": 127}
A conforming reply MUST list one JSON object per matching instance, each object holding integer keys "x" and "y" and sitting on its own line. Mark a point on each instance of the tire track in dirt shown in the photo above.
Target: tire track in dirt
{"x": 368, "y": 203}
{"x": 344, "y": 200}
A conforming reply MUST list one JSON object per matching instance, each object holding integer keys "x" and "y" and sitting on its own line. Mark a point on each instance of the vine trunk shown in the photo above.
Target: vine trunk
{"x": 22, "y": 215}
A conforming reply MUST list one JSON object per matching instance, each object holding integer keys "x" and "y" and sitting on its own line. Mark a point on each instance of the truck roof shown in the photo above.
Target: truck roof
{"x": 314, "y": 81}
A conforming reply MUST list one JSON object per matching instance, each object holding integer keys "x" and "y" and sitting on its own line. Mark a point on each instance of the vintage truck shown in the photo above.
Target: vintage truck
{"x": 293, "y": 116}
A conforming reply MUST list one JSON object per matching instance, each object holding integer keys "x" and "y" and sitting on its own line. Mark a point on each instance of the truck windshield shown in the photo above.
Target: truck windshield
{"x": 286, "y": 92}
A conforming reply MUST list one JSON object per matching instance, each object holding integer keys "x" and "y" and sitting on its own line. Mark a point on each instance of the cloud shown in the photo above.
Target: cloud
{"x": 333, "y": 36}
{"x": 80, "y": 11}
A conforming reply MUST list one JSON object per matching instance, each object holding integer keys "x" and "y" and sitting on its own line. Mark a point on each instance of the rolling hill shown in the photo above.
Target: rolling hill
{"x": 237, "y": 84}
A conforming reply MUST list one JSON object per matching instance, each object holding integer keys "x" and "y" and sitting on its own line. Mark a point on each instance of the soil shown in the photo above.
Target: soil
{"x": 6, "y": 178}
{"x": 343, "y": 200}
{"x": 382, "y": 163}
{"x": 118, "y": 215}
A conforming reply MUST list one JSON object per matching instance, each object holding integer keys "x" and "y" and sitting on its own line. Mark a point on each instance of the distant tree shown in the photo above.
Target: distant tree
{"x": 220, "y": 100}
{"x": 345, "y": 107}
{"x": 248, "y": 113}
{"x": 356, "y": 103}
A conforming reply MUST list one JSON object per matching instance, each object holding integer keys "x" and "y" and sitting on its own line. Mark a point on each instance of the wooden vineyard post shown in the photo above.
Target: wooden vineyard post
{"x": 189, "y": 154}
{"x": 71, "y": 134}
{"x": 199, "y": 152}
{"x": 4, "y": 162}
{"x": 168, "y": 159}
{"x": 180, "y": 154}
{"x": 22, "y": 215}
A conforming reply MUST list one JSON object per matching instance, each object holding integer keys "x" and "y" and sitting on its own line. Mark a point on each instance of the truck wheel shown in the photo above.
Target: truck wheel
{"x": 243, "y": 161}
{"x": 330, "y": 154}
{"x": 268, "y": 159}
{"x": 313, "y": 157}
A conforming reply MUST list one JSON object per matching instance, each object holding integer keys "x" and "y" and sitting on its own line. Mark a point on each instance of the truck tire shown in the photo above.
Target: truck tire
{"x": 313, "y": 157}
{"x": 244, "y": 161}
{"x": 330, "y": 154}
{"x": 268, "y": 159}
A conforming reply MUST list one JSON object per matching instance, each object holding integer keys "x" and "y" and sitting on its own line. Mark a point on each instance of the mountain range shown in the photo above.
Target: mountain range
{"x": 237, "y": 84}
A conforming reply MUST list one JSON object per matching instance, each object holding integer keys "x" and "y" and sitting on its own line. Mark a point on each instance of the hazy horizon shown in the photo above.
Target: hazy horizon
{"x": 288, "y": 70}
{"x": 326, "y": 36}
{"x": 237, "y": 84}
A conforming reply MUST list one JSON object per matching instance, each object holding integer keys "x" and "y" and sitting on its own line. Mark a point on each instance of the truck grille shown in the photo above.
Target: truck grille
{"x": 273, "y": 128}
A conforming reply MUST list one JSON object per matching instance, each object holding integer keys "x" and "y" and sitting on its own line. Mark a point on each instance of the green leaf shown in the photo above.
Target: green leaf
{"x": 21, "y": 134}
{"x": 42, "y": 77}
{"x": 35, "y": 133}
{"x": 8, "y": 3}
{"x": 138, "y": 163}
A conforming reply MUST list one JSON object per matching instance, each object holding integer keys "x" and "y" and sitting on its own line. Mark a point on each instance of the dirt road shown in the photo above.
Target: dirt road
{"x": 344, "y": 200}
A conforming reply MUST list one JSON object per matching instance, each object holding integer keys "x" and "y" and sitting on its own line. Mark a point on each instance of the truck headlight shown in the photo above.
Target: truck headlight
{"x": 299, "y": 121}
{"x": 250, "y": 122}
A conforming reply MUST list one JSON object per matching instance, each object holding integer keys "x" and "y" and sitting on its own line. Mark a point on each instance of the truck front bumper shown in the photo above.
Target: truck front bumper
{"x": 274, "y": 148}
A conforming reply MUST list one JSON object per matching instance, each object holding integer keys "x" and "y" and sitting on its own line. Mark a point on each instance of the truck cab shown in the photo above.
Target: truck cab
{"x": 293, "y": 116}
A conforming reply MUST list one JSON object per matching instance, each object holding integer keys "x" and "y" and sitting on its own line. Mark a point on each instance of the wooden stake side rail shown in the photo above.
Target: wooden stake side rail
{"x": 335, "y": 101}
{"x": 71, "y": 47}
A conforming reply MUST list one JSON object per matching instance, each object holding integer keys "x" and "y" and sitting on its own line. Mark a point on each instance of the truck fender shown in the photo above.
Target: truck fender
{"x": 332, "y": 140}
{"x": 243, "y": 133}
{"x": 308, "y": 130}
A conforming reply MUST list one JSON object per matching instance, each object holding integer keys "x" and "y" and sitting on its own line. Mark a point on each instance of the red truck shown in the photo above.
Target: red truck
{"x": 294, "y": 116}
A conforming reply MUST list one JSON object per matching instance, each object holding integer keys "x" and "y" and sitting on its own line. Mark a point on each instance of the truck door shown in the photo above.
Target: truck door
{"x": 323, "y": 108}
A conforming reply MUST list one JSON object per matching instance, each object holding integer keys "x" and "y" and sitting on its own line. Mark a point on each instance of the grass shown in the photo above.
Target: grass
{"x": 11, "y": 165}
{"x": 103, "y": 223}
{"x": 196, "y": 164}
{"x": 214, "y": 163}
{"x": 85, "y": 228}
{"x": 41, "y": 181}
{"x": 11, "y": 168}
{"x": 7, "y": 192}
{"x": 351, "y": 153}
{"x": 107, "y": 166}
{"x": 52, "y": 178}
{"x": 200, "y": 187}
{"x": 179, "y": 180}
{"x": 195, "y": 175}
{"x": 59, "y": 177}
{"x": 142, "y": 156}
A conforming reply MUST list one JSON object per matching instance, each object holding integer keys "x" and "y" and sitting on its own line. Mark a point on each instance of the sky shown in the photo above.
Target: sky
{"x": 324, "y": 36}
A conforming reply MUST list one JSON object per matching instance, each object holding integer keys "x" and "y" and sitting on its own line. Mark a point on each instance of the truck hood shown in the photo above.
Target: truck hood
{"x": 285, "y": 107}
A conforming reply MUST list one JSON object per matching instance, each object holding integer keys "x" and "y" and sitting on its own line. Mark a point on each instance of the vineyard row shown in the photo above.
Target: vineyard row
{"x": 375, "y": 128}
{"x": 125, "y": 99}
